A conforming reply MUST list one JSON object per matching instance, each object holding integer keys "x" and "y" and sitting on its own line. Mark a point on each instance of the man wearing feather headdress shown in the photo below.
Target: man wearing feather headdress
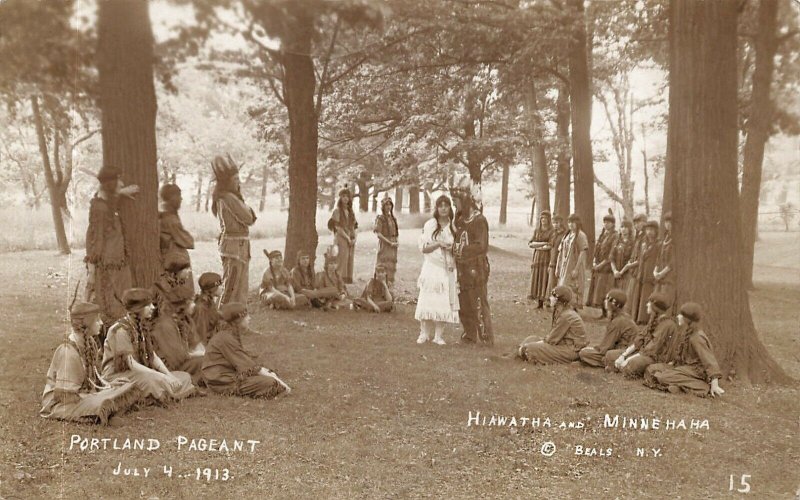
{"x": 472, "y": 263}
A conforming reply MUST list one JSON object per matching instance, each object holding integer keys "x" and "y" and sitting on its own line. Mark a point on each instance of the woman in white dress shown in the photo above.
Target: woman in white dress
{"x": 438, "y": 291}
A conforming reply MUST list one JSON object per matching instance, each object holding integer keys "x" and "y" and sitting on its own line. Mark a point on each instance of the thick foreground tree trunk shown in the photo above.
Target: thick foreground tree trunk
{"x": 54, "y": 189}
{"x": 299, "y": 84}
{"x": 128, "y": 106}
{"x": 563, "y": 172}
{"x": 702, "y": 159}
{"x": 541, "y": 182}
{"x": 758, "y": 128}
{"x": 581, "y": 112}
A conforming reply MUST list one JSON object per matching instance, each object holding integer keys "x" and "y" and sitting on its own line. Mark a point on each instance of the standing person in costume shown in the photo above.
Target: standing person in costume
{"x": 438, "y": 300}
{"x": 663, "y": 274}
{"x": 329, "y": 285}
{"x": 659, "y": 340}
{"x": 645, "y": 281}
{"x": 566, "y": 338}
{"x": 229, "y": 369}
{"x": 74, "y": 389}
{"x": 175, "y": 337}
{"x": 206, "y": 315}
{"x": 555, "y": 243}
{"x": 343, "y": 224}
{"x": 470, "y": 249}
{"x": 632, "y": 289}
{"x": 694, "y": 369}
{"x": 129, "y": 352}
{"x": 303, "y": 279}
{"x": 174, "y": 237}
{"x": 277, "y": 290}
{"x": 387, "y": 232}
{"x": 620, "y": 331}
{"x": 540, "y": 243}
{"x": 107, "y": 264}
{"x": 235, "y": 219}
{"x": 571, "y": 265}
{"x": 621, "y": 255}
{"x": 602, "y": 277}
{"x": 376, "y": 296}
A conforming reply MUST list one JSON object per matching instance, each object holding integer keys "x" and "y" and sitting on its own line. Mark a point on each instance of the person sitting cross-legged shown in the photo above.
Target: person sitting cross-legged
{"x": 566, "y": 338}
{"x": 276, "y": 289}
{"x": 620, "y": 330}
{"x": 695, "y": 369}
{"x": 376, "y": 297}
{"x": 205, "y": 314}
{"x": 229, "y": 369}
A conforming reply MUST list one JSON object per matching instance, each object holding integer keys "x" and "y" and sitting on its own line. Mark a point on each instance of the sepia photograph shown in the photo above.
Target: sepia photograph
{"x": 453, "y": 249}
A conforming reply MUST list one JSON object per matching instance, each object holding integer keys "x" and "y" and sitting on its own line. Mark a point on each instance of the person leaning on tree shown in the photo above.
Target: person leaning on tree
{"x": 235, "y": 219}
{"x": 620, "y": 331}
{"x": 107, "y": 259}
{"x": 174, "y": 238}
{"x": 694, "y": 369}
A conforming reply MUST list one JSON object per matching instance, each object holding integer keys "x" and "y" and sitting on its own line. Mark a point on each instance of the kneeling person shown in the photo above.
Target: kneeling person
{"x": 376, "y": 296}
{"x": 566, "y": 338}
{"x": 620, "y": 331}
{"x": 229, "y": 369}
{"x": 695, "y": 369}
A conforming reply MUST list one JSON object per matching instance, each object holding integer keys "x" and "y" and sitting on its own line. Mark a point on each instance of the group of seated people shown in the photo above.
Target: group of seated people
{"x": 282, "y": 289}
{"x": 168, "y": 345}
{"x": 669, "y": 353}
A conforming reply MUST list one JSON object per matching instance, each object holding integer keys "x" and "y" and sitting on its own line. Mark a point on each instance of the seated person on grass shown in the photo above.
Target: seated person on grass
{"x": 229, "y": 369}
{"x": 694, "y": 369}
{"x": 206, "y": 315}
{"x": 376, "y": 296}
{"x": 620, "y": 331}
{"x": 566, "y": 338}
{"x": 177, "y": 272}
{"x": 276, "y": 289}
{"x": 329, "y": 285}
{"x": 303, "y": 279}
{"x": 654, "y": 343}
{"x": 175, "y": 339}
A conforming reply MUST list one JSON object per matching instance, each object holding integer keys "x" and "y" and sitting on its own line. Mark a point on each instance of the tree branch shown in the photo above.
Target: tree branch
{"x": 323, "y": 78}
{"x": 611, "y": 194}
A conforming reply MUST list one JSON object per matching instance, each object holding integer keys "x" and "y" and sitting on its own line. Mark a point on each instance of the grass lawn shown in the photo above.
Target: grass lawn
{"x": 374, "y": 415}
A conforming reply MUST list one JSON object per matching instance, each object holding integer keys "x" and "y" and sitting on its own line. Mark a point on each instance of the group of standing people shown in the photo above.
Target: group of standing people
{"x": 633, "y": 259}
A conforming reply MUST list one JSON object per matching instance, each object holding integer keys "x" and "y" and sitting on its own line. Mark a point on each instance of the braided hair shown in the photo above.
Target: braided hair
{"x": 90, "y": 354}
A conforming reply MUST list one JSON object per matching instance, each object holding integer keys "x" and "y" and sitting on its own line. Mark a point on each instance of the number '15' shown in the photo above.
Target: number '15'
{"x": 745, "y": 485}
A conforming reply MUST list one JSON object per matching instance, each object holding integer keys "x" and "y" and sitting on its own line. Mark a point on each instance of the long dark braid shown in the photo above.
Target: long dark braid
{"x": 557, "y": 310}
{"x": 89, "y": 353}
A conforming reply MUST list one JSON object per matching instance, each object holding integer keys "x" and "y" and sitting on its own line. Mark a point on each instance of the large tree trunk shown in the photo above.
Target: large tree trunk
{"x": 262, "y": 201}
{"x": 758, "y": 128}
{"x": 581, "y": 113}
{"x": 702, "y": 158}
{"x": 299, "y": 84}
{"x": 128, "y": 106}
{"x": 398, "y": 199}
{"x": 504, "y": 195}
{"x": 54, "y": 189}
{"x": 563, "y": 172}
{"x": 413, "y": 199}
{"x": 541, "y": 182}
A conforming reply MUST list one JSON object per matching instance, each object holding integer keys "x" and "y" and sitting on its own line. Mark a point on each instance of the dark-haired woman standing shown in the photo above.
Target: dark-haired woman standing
{"x": 386, "y": 230}
{"x": 437, "y": 303}
{"x": 540, "y": 243}
{"x": 235, "y": 219}
{"x": 343, "y": 225}
{"x": 572, "y": 254}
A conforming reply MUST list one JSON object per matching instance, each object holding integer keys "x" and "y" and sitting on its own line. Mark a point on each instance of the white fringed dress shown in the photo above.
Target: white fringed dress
{"x": 438, "y": 288}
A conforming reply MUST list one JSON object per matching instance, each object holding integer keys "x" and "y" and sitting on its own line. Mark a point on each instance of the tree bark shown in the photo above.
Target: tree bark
{"x": 563, "y": 172}
{"x": 581, "y": 113}
{"x": 363, "y": 194}
{"x": 646, "y": 174}
{"x": 299, "y": 84}
{"x": 541, "y": 182}
{"x": 398, "y": 199}
{"x": 128, "y": 106}
{"x": 53, "y": 187}
{"x": 413, "y": 199}
{"x": 426, "y": 199}
{"x": 702, "y": 159}
{"x": 262, "y": 201}
{"x": 758, "y": 130}
{"x": 375, "y": 194}
{"x": 504, "y": 196}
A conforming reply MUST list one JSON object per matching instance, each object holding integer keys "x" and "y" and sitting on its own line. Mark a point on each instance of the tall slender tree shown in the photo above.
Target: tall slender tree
{"x": 128, "y": 107}
{"x": 702, "y": 160}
